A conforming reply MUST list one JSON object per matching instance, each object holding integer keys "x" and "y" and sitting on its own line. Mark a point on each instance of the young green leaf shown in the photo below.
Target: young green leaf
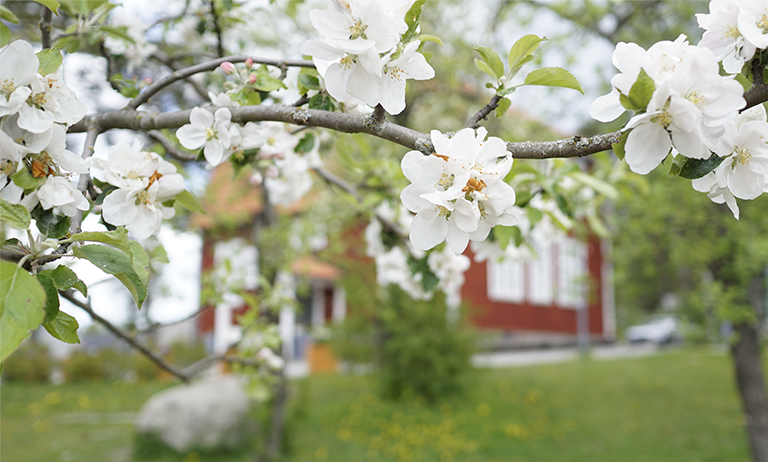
{"x": 640, "y": 94}
{"x": 504, "y": 104}
{"x": 599, "y": 186}
{"x": 63, "y": 278}
{"x": 553, "y": 77}
{"x": 118, "y": 264}
{"x": 51, "y": 225}
{"x": 14, "y": 215}
{"x": 8, "y": 15}
{"x": 63, "y": 327}
{"x": 50, "y": 60}
{"x": 25, "y": 180}
{"x": 266, "y": 83}
{"x": 120, "y": 33}
{"x": 51, "y": 297}
{"x": 52, "y": 5}
{"x": 412, "y": 19}
{"x": 310, "y": 82}
{"x": 618, "y": 147}
{"x": 22, "y": 300}
{"x": 188, "y": 200}
{"x": 692, "y": 169}
{"x": 5, "y": 35}
{"x": 484, "y": 67}
{"x": 522, "y": 52}
{"x": 491, "y": 58}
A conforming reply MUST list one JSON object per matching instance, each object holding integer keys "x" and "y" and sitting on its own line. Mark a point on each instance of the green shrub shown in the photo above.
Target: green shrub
{"x": 30, "y": 363}
{"x": 81, "y": 367}
{"x": 422, "y": 353}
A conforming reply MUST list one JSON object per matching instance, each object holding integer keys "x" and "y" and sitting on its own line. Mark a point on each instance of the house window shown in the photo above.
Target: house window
{"x": 540, "y": 273}
{"x": 506, "y": 282}
{"x": 572, "y": 273}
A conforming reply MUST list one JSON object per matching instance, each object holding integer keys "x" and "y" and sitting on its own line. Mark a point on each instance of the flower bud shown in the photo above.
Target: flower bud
{"x": 249, "y": 63}
{"x": 252, "y": 79}
{"x": 227, "y": 67}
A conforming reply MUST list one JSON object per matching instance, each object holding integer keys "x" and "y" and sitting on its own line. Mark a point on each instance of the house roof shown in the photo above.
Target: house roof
{"x": 310, "y": 267}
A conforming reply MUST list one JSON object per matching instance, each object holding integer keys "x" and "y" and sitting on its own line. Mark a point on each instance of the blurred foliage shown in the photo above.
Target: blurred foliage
{"x": 30, "y": 363}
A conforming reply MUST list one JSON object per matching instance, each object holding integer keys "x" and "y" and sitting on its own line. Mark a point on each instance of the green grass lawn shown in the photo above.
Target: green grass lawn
{"x": 680, "y": 406}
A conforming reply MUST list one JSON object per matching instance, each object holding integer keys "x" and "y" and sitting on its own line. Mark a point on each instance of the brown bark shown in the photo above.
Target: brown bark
{"x": 751, "y": 383}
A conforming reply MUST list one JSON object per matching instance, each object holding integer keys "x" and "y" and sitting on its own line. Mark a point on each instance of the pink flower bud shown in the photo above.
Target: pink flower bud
{"x": 252, "y": 79}
{"x": 249, "y": 63}
{"x": 227, "y": 67}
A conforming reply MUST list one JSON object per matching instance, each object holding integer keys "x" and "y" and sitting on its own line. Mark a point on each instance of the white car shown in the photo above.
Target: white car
{"x": 658, "y": 329}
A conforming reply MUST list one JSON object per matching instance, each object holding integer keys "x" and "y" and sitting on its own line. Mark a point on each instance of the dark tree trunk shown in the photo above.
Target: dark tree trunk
{"x": 751, "y": 382}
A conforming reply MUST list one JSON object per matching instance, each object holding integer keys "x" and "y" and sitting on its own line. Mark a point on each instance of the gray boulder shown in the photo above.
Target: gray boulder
{"x": 209, "y": 414}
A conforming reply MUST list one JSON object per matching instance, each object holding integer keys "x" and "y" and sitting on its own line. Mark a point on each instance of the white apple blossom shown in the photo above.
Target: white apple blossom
{"x": 458, "y": 193}
{"x": 144, "y": 181}
{"x": 449, "y": 269}
{"x": 61, "y": 193}
{"x": 723, "y": 37}
{"x": 51, "y": 102}
{"x": 18, "y": 69}
{"x": 409, "y": 65}
{"x": 212, "y": 132}
{"x": 753, "y": 22}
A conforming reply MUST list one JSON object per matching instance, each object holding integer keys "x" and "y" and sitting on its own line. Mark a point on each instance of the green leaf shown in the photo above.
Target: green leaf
{"x": 70, "y": 44}
{"x": 14, "y": 215}
{"x": 322, "y": 102}
{"x": 692, "y": 169}
{"x": 502, "y": 107}
{"x": 522, "y": 51}
{"x": 412, "y": 18}
{"x": 119, "y": 239}
{"x": 485, "y": 68}
{"x": 118, "y": 264}
{"x": 640, "y": 94}
{"x": 63, "y": 327}
{"x": 81, "y": 287}
{"x": 63, "y": 278}
{"x": 51, "y": 297}
{"x": 120, "y": 33}
{"x": 25, "y": 180}
{"x": 310, "y": 82}
{"x": 50, "y": 60}
{"x": 188, "y": 200}
{"x": 553, "y": 77}
{"x": 22, "y": 300}
{"x": 51, "y": 225}
{"x": 8, "y": 15}
{"x": 492, "y": 59}
{"x": 306, "y": 143}
{"x": 618, "y": 147}
{"x": 423, "y": 38}
{"x": 599, "y": 186}
{"x": 266, "y": 83}
{"x": 5, "y": 35}
{"x": 52, "y": 5}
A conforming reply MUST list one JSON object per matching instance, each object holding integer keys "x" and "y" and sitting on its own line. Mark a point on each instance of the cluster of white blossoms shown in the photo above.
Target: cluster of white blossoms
{"x": 742, "y": 174}
{"x": 35, "y": 109}
{"x": 684, "y": 101}
{"x": 735, "y": 29}
{"x": 458, "y": 193}
{"x": 143, "y": 182}
{"x": 392, "y": 263}
{"x": 360, "y": 53}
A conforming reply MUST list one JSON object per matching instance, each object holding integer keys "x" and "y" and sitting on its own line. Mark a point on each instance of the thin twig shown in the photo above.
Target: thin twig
{"x": 82, "y": 185}
{"x": 304, "y": 99}
{"x": 174, "y": 66}
{"x": 208, "y": 66}
{"x": 156, "y": 325}
{"x": 170, "y": 17}
{"x": 128, "y": 338}
{"x": 45, "y": 27}
{"x": 332, "y": 179}
{"x": 474, "y": 121}
{"x": 217, "y": 29}
{"x": 169, "y": 147}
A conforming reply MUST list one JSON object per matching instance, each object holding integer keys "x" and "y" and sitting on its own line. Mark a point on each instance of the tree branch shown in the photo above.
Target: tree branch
{"x": 209, "y": 66}
{"x": 174, "y": 66}
{"x": 172, "y": 150}
{"x": 92, "y": 132}
{"x": 474, "y": 121}
{"x": 217, "y": 29}
{"x": 45, "y": 27}
{"x": 128, "y": 338}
